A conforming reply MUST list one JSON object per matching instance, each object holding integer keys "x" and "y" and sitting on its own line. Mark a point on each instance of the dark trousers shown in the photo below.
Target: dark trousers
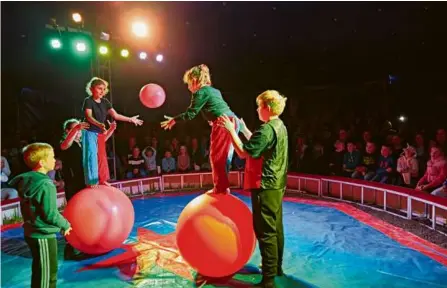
{"x": 268, "y": 226}
{"x": 44, "y": 267}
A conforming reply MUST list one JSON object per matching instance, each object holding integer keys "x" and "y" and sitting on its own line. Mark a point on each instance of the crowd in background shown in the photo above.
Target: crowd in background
{"x": 362, "y": 150}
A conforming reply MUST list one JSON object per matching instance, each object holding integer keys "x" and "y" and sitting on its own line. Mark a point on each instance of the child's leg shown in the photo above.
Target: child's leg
{"x": 271, "y": 239}
{"x": 384, "y": 179}
{"x": 369, "y": 175}
{"x": 376, "y": 178}
{"x": 256, "y": 209}
{"x": 90, "y": 157}
{"x": 103, "y": 164}
{"x": 280, "y": 231}
{"x": 143, "y": 173}
{"x": 44, "y": 267}
{"x": 220, "y": 151}
{"x": 356, "y": 175}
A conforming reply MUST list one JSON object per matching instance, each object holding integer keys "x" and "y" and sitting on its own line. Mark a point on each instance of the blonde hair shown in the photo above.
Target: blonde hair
{"x": 274, "y": 100}
{"x": 95, "y": 81}
{"x": 35, "y": 152}
{"x": 201, "y": 73}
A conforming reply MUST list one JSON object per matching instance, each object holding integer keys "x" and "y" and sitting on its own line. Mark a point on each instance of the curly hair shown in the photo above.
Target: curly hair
{"x": 95, "y": 81}
{"x": 201, "y": 73}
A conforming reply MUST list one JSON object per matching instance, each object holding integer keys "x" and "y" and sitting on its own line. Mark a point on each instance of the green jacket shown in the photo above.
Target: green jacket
{"x": 210, "y": 102}
{"x": 38, "y": 204}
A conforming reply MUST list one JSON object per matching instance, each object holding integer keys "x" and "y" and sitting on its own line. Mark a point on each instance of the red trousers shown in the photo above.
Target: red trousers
{"x": 221, "y": 154}
{"x": 103, "y": 163}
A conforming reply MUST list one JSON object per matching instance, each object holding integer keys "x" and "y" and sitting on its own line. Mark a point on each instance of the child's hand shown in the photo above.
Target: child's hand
{"x": 102, "y": 127}
{"x": 136, "y": 121}
{"x": 420, "y": 187}
{"x": 67, "y": 232}
{"x": 112, "y": 126}
{"x": 389, "y": 170}
{"x": 82, "y": 126}
{"x": 242, "y": 125}
{"x": 226, "y": 123}
{"x": 168, "y": 124}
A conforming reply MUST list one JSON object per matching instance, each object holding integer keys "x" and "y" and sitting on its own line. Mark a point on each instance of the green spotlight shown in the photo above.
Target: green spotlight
{"x": 81, "y": 47}
{"x": 55, "y": 43}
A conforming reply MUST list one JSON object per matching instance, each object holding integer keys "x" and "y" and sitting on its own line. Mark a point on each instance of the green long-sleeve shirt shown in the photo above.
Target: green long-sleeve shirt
{"x": 38, "y": 205}
{"x": 268, "y": 149}
{"x": 209, "y": 101}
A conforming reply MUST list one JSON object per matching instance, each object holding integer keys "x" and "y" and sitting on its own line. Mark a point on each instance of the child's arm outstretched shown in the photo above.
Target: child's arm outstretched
{"x": 112, "y": 128}
{"x": 198, "y": 100}
{"x": 118, "y": 117}
{"x": 68, "y": 141}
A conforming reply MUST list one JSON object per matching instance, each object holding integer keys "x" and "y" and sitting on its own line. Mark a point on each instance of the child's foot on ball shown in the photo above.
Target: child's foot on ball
{"x": 94, "y": 186}
{"x": 106, "y": 184}
{"x": 226, "y": 192}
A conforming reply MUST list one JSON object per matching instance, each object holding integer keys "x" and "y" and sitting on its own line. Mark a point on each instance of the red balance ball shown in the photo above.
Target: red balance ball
{"x": 215, "y": 234}
{"x": 101, "y": 218}
{"x": 152, "y": 95}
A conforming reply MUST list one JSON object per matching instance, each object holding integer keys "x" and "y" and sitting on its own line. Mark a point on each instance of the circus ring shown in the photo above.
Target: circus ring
{"x": 329, "y": 242}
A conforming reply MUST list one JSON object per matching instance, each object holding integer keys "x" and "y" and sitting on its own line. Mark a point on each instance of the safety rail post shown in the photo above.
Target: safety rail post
{"x": 409, "y": 209}
{"x": 361, "y": 195}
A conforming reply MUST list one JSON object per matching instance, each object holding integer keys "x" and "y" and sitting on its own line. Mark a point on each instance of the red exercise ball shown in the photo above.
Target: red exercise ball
{"x": 215, "y": 234}
{"x": 101, "y": 218}
{"x": 152, "y": 95}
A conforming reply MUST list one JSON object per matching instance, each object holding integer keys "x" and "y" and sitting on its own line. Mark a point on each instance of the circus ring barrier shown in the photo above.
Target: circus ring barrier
{"x": 399, "y": 201}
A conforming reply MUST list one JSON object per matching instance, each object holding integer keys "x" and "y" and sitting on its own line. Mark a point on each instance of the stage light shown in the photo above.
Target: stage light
{"x": 81, "y": 47}
{"x": 103, "y": 50}
{"x": 55, "y": 43}
{"x": 159, "y": 58}
{"x": 125, "y": 53}
{"x": 143, "y": 55}
{"x": 77, "y": 17}
{"x": 402, "y": 118}
{"x": 139, "y": 29}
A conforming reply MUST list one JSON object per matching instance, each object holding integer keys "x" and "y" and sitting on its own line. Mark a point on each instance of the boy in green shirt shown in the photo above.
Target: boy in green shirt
{"x": 265, "y": 176}
{"x": 41, "y": 217}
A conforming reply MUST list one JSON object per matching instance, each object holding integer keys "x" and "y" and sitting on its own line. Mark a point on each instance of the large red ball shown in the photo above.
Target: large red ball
{"x": 101, "y": 218}
{"x": 215, "y": 234}
{"x": 152, "y": 95}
